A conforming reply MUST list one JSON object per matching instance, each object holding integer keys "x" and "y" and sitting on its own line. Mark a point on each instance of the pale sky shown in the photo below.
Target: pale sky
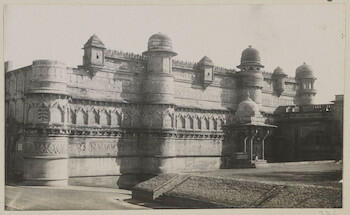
{"x": 285, "y": 35}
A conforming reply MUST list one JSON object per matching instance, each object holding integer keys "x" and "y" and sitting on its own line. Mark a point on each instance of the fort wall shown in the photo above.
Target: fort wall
{"x": 113, "y": 121}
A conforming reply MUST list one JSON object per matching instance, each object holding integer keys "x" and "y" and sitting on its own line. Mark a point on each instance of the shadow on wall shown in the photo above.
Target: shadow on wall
{"x": 13, "y": 155}
{"x": 228, "y": 145}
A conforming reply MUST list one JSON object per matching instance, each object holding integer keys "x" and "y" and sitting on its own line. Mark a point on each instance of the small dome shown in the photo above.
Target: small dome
{"x": 94, "y": 41}
{"x": 278, "y": 72}
{"x": 247, "y": 108}
{"x": 206, "y": 61}
{"x": 159, "y": 42}
{"x": 250, "y": 55}
{"x": 304, "y": 71}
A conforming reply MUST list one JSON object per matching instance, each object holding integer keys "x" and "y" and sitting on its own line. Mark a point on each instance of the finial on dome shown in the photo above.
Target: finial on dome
{"x": 250, "y": 46}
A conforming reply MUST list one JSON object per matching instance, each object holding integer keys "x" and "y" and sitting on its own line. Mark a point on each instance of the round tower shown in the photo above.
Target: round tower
{"x": 305, "y": 80}
{"x": 159, "y": 81}
{"x": 278, "y": 78}
{"x": 250, "y": 75}
{"x": 45, "y": 148}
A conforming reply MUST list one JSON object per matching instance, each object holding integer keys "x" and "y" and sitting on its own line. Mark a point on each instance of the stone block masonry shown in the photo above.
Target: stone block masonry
{"x": 122, "y": 115}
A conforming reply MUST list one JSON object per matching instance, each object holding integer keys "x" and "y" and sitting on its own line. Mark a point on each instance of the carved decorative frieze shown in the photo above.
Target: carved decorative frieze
{"x": 45, "y": 146}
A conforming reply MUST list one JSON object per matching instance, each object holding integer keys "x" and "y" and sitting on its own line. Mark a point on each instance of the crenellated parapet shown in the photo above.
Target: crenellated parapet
{"x": 184, "y": 64}
{"x": 109, "y": 53}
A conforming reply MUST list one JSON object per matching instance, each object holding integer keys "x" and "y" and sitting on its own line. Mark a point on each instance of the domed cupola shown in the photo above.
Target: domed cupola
{"x": 248, "y": 111}
{"x": 158, "y": 84}
{"x": 160, "y": 42}
{"x": 247, "y": 108}
{"x": 250, "y": 57}
{"x": 305, "y": 81}
{"x": 250, "y": 77}
{"x": 304, "y": 71}
{"x": 278, "y": 72}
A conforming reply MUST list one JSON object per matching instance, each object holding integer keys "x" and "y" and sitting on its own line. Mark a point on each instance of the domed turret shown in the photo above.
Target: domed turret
{"x": 160, "y": 43}
{"x": 278, "y": 78}
{"x": 250, "y": 75}
{"x": 248, "y": 108}
{"x": 158, "y": 87}
{"x": 304, "y": 71}
{"x": 278, "y": 72}
{"x": 305, "y": 80}
{"x": 250, "y": 57}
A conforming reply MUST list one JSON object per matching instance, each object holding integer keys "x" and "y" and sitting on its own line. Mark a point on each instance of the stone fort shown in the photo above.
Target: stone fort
{"x": 120, "y": 118}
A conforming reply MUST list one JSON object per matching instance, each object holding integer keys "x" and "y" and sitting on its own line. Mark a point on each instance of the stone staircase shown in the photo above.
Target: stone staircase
{"x": 169, "y": 185}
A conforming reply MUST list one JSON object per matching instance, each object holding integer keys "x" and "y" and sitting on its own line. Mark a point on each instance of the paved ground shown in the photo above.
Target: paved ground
{"x": 297, "y": 185}
{"x": 91, "y": 198}
{"x": 68, "y": 198}
{"x": 314, "y": 173}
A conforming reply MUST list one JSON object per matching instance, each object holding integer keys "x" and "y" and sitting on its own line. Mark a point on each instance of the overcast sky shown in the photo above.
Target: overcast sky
{"x": 285, "y": 35}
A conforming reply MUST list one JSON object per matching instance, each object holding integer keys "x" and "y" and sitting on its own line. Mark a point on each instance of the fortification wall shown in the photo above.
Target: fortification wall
{"x": 99, "y": 127}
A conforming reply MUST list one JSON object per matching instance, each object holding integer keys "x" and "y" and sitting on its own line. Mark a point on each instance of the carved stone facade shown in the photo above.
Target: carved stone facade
{"x": 123, "y": 114}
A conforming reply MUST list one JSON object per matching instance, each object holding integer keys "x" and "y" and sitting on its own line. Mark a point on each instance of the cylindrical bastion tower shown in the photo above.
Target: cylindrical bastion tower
{"x": 305, "y": 80}
{"x": 159, "y": 81}
{"x": 250, "y": 75}
{"x": 46, "y": 105}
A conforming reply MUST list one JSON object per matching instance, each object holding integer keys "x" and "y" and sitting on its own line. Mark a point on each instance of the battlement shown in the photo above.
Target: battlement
{"x": 184, "y": 64}
{"x": 268, "y": 75}
{"x": 109, "y": 53}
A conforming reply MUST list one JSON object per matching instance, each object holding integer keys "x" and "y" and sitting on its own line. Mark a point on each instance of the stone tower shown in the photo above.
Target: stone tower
{"x": 159, "y": 81}
{"x": 159, "y": 106}
{"x": 305, "y": 80}
{"x": 46, "y": 103}
{"x": 278, "y": 81}
{"x": 250, "y": 75}
{"x": 94, "y": 55}
{"x": 206, "y": 65}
